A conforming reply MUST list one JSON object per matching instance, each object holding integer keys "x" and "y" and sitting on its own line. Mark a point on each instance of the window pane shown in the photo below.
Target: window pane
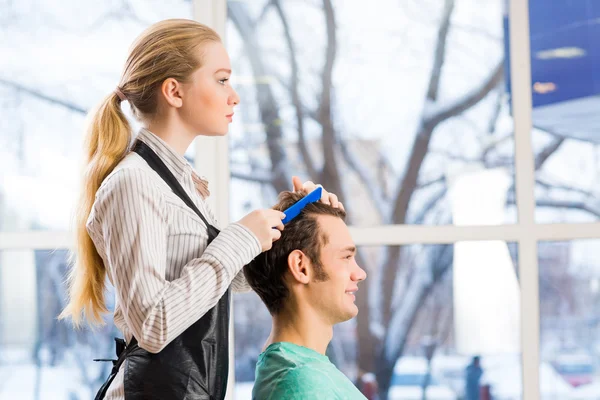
{"x": 57, "y": 63}
{"x": 569, "y": 303}
{"x": 565, "y": 79}
{"x": 400, "y": 109}
{"x": 450, "y": 302}
{"x": 41, "y": 357}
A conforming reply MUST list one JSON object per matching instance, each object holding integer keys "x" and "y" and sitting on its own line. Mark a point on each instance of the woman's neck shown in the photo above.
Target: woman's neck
{"x": 176, "y": 136}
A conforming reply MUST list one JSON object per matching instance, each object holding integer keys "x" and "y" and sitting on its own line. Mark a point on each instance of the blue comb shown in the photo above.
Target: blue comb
{"x": 294, "y": 210}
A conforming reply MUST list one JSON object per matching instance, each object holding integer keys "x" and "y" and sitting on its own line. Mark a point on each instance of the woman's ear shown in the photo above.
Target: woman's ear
{"x": 298, "y": 264}
{"x": 171, "y": 91}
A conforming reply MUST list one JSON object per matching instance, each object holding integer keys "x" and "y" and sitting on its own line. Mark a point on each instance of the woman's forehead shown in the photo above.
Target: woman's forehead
{"x": 215, "y": 57}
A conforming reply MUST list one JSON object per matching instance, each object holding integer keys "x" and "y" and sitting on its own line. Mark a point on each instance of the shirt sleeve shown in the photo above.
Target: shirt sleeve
{"x": 129, "y": 222}
{"x": 239, "y": 283}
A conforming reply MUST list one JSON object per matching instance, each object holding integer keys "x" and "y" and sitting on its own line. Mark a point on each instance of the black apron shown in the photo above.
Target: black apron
{"x": 195, "y": 365}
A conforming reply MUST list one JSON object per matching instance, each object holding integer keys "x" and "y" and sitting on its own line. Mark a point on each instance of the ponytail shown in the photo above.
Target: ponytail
{"x": 107, "y": 141}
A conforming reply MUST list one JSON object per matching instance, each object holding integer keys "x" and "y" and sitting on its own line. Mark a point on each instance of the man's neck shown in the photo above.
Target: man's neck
{"x": 303, "y": 328}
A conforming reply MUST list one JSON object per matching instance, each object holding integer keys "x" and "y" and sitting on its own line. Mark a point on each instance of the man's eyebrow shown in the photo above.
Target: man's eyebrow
{"x": 224, "y": 70}
{"x": 351, "y": 249}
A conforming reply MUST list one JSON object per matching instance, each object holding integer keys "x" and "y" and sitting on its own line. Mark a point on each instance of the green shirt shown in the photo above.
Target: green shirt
{"x": 286, "y": 371}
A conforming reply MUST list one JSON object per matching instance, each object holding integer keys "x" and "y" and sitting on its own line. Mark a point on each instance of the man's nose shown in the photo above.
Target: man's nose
{"x": 359, "y": 274}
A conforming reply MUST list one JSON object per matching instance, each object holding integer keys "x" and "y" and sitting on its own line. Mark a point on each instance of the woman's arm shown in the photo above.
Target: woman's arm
{"x": 130, "y": 217}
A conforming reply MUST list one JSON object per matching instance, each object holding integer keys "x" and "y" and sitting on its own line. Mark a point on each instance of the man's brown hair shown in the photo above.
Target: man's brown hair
{"x": 266, "y": 272}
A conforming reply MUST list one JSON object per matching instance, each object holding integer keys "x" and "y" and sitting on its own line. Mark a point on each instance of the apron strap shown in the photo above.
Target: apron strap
{"x": 122, "y": 350}
{"x": 165, "y": 173}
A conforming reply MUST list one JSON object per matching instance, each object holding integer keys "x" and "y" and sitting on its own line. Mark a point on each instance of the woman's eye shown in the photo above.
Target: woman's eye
{"x": 222, "y": 81}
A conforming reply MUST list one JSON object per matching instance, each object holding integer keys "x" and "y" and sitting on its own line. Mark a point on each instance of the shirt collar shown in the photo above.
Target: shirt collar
{"x": 178, "y": 165}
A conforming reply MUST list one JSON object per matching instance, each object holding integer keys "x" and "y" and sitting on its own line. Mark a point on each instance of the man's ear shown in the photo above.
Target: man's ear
{"x": 298, "y": 264}
{"x": 171, "y": 91}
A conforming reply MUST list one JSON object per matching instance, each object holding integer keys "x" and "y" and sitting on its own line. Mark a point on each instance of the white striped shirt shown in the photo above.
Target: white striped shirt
{"x": 154, "y": 249}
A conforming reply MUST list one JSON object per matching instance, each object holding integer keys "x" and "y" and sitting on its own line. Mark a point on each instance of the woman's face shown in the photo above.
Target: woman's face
{"x": 209, "y": 98}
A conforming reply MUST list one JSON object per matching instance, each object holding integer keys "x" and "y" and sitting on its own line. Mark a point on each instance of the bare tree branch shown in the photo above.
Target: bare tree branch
{"x": 548, "y": 185}
{"x": 451, "y": 156}
{"x": 268, "y": 107}
{"x": 41, "y": 96}
{"x": 443, "y": 113}
{"x": 440, "y": 52}
{"x": 431, "y": 119}
{"x": 421, "y": 143}
{"x": 440, "y": 179}
{"x": 408, "y": 182}
{"x": 547, "y": 151}
{"x": 260, "y": 177}
{"x": 330, "y": 176}
{"x": 263, "y": 13}
{"x": 429, "y": 205}
{"x": 400, "y": 324}
{"x": 124, "y": 12}
{"x": 588, "y": 206}
{"x": 369, "y": 181}
{"x": 567, "y": 204}
{"x": 282, "y": 81}
{"x": 312, "y": 114}
{"x": 308, "y": 160}
{"x": 367, "y": 343}
{"x": 574, "y": 205}
{"x": 507, "y": 162}
{"x": 419, "y": 289}
{"x": 385, "y": 169}
{"x": 494, "y": 144}
{"x": 496, "y": 112}
{"x": 540, "y": 159}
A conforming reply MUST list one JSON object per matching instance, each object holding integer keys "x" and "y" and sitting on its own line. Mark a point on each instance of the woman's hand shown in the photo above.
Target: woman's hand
{"x": 326, "y": 197}
{"x": 266, "y": 225}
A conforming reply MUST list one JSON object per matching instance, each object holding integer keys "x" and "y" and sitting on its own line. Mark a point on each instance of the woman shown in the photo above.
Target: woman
{"x": 143, "y": 222}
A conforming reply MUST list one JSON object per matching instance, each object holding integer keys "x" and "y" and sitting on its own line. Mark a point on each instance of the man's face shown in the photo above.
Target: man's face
{"x": 334, "y": 297}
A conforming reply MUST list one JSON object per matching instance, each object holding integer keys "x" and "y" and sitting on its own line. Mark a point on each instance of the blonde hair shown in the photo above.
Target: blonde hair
{"x": 165, "y": 50}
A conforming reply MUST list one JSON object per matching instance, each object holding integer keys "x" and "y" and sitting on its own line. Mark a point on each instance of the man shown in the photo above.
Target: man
{"x": 308, "y": 282}
{"x": 473, "y": 374}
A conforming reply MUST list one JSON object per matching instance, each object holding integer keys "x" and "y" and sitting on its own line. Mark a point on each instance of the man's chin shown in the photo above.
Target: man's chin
{"x": 351, "y": 313}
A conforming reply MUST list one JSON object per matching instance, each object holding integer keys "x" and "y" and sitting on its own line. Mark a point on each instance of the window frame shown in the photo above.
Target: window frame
{"x": 212, "y": 158}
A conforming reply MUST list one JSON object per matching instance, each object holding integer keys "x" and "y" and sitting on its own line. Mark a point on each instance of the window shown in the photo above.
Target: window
{"x": 449, "y": 304}
{"x": 58, "y": 62}
{"x": 521, "y": 155}
{"x": 569, "y": 284}
{"x": 40, "y": 356}
{"x": 344, "y": 107}
{"x": 401, "y": 110}
{"x": 564, "y": 96}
